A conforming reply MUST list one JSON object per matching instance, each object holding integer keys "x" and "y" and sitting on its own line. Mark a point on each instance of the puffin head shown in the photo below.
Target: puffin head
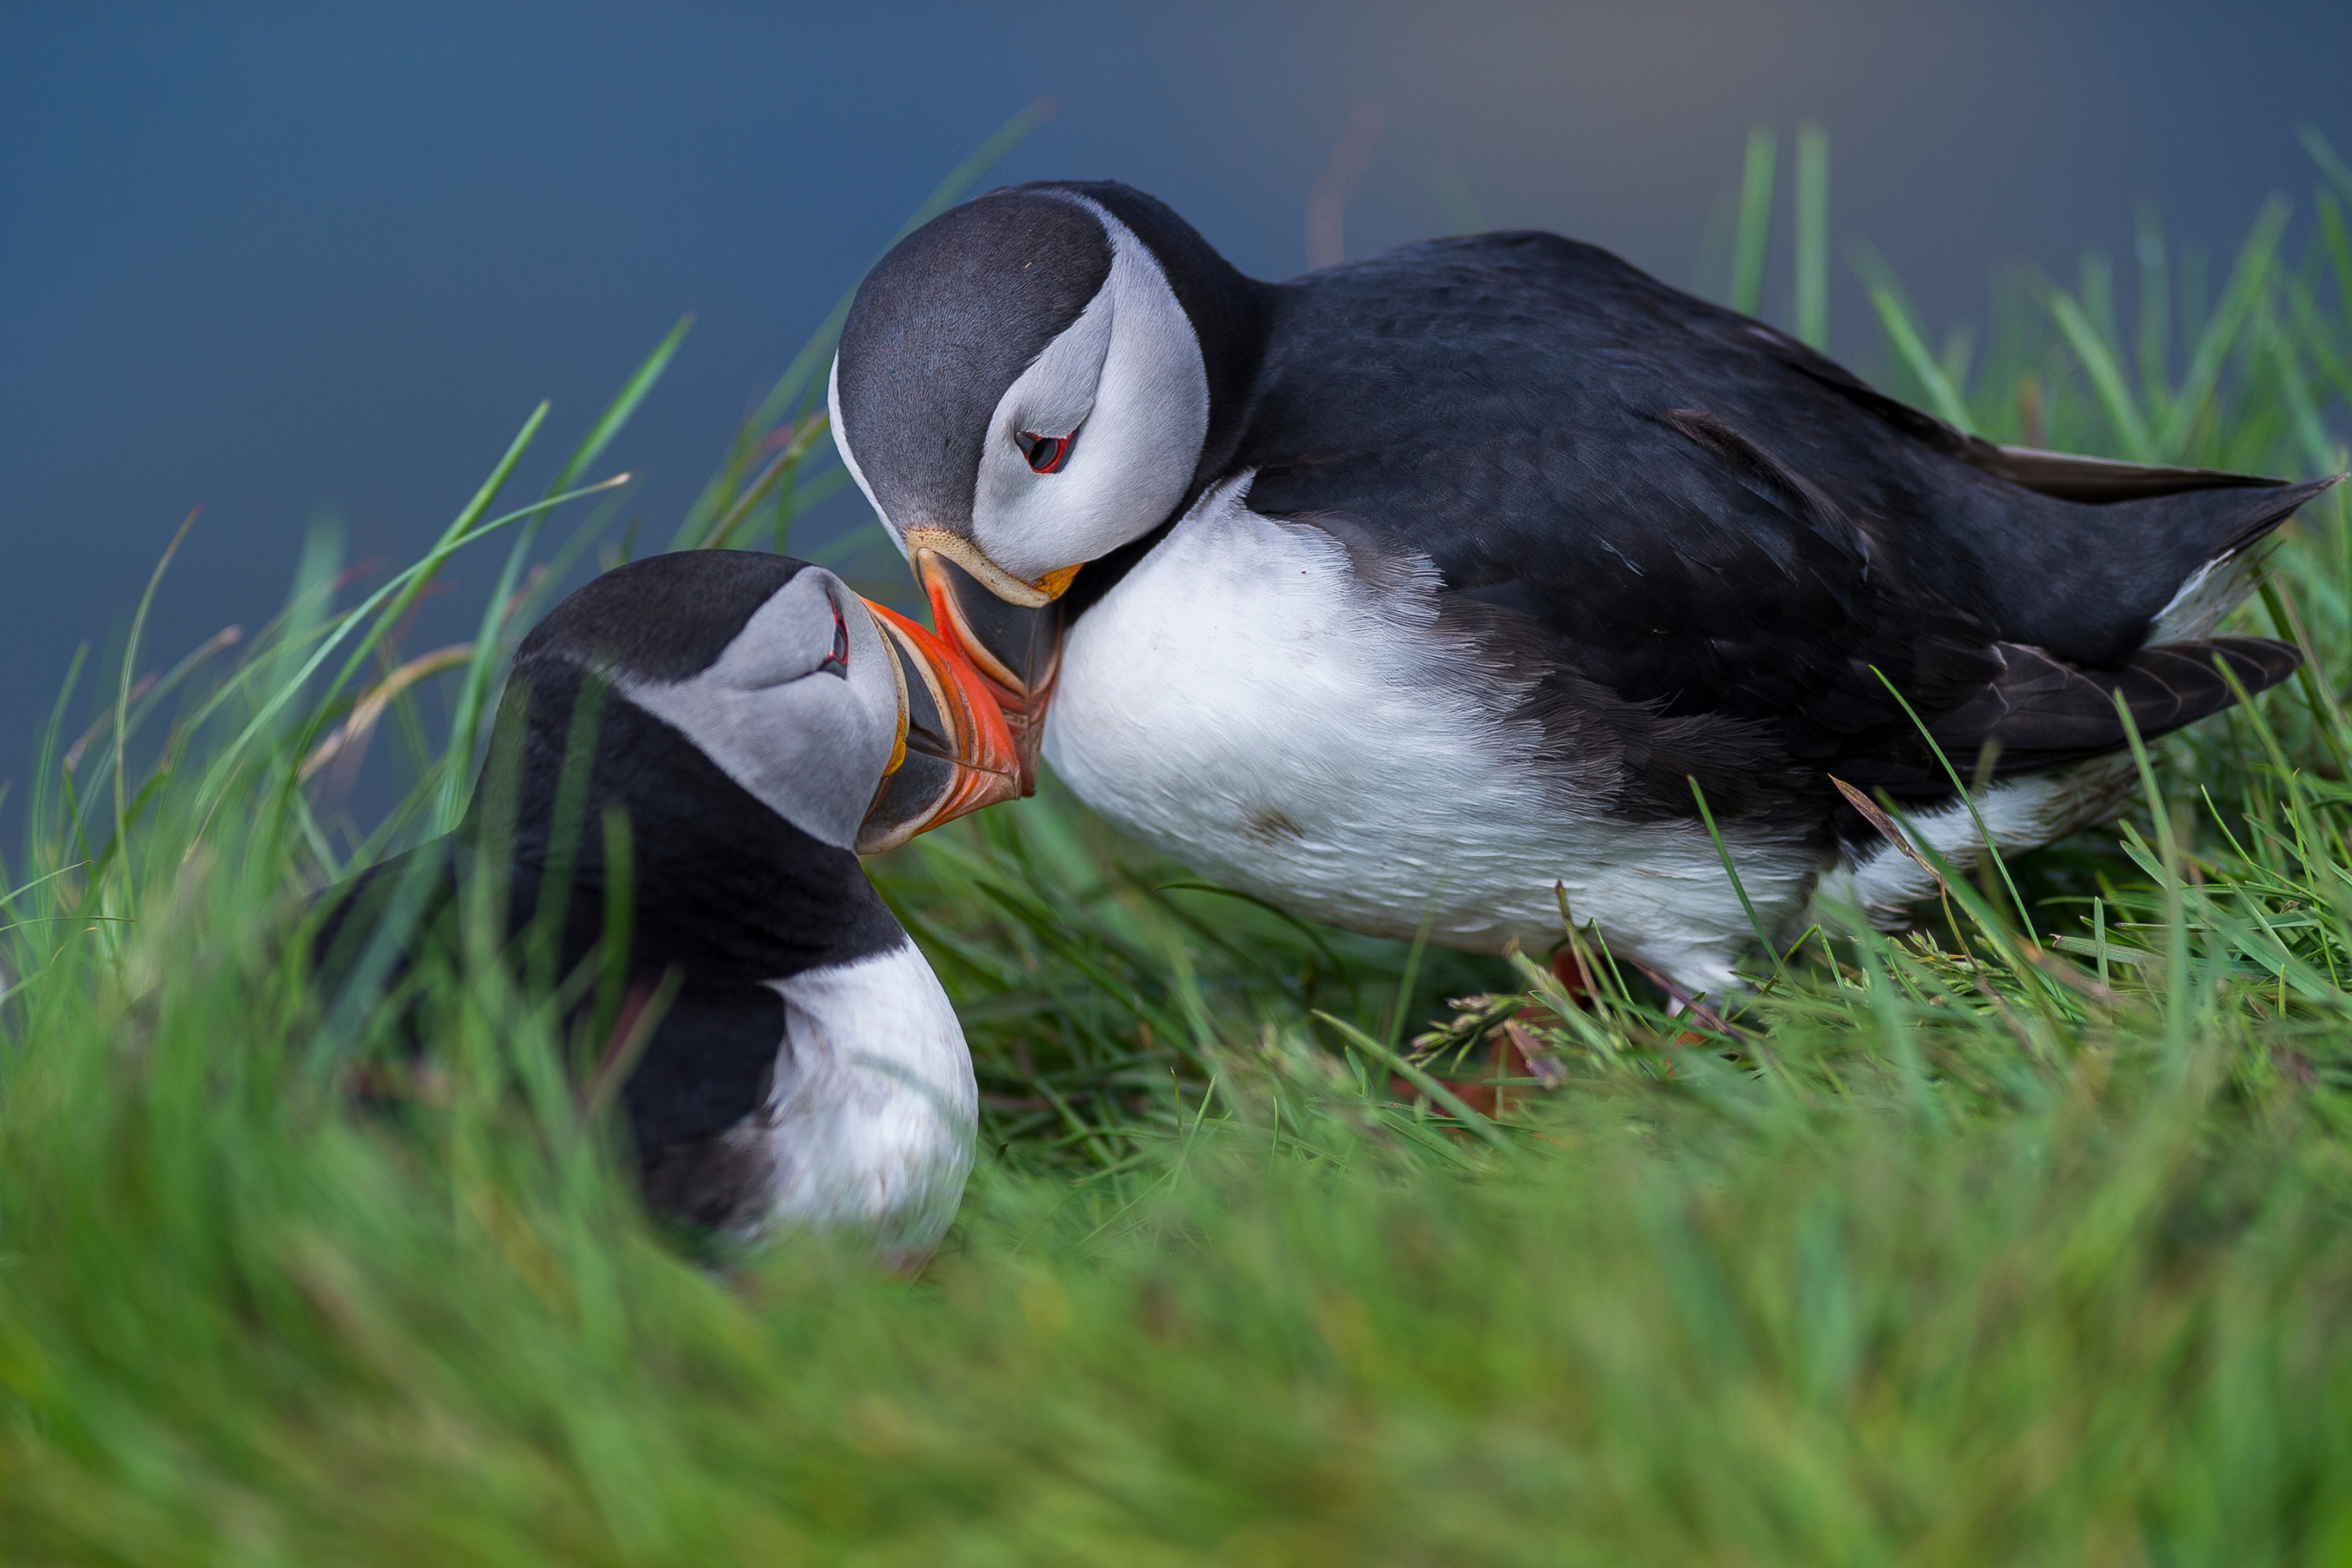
{"x": 1024, "y": 384}
{"x": 840, "y": 716}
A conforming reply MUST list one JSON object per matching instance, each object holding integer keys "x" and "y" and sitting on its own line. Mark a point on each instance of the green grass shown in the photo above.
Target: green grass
{"x": 2022, "y": 1240}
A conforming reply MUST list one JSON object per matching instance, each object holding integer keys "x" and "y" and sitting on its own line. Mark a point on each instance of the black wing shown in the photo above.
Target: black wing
{"x": 1716, "y": 540}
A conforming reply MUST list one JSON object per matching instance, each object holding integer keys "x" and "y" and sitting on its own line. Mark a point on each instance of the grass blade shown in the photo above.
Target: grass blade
{"x": 2219, "y": 337}
{"x": 1756, "y": 180}
{"x": 130, "y": 663}
{"x": 2323, "y": 153}
{"x": 1895, "y": 318}
{"x": 1813, "y": 236}
{"x": 2155, "y": 312}
{"x": 465, "y": 725}
{"x": 405, "y": 585}
{"x": 2106, "y": 378}
{"x": 1453, "y": 1104}
{"x": 1755, "y": 921}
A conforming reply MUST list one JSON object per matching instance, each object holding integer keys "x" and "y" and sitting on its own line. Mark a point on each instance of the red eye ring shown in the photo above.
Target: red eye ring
{"x": 1046, "y": 453}
{"x": 837, "y": 660}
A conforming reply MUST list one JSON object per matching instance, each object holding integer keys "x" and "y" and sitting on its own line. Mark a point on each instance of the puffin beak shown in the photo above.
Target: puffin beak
{"x": 1010, "y": 630}
{"x": 954, "y": 753}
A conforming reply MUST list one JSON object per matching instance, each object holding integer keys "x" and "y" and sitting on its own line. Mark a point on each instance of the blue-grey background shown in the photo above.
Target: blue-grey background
{"x": 277, "y": 261}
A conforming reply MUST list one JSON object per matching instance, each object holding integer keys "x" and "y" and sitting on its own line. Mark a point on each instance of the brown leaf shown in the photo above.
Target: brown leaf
{"x": 1878, "y": 818}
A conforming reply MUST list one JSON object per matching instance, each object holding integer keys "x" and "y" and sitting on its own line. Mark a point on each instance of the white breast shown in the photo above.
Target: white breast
{"x": 1243, "y": 703}
{"x": 874, "y": 1108}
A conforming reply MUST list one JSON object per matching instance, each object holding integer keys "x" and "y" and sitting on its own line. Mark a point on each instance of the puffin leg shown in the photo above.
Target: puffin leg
{"x": 1517, "y": 1054}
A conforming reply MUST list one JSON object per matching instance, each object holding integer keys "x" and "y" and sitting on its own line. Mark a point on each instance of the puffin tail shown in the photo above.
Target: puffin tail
{"x": 2146, "y": 557}
{"x": 2214, "y": 535}
{"x": 2188, "y": 544}
{"x": 2175, "y": 679}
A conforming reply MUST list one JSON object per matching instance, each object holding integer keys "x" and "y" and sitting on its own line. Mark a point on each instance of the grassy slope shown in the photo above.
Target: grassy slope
{"x": 1975, "y": 1250}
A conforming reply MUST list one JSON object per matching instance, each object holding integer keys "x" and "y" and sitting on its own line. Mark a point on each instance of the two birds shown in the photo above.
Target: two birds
{"x": 1398, "y": 596}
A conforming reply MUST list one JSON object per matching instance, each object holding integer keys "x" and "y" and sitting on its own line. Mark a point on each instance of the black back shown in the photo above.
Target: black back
{"x": 1707, "y": 541}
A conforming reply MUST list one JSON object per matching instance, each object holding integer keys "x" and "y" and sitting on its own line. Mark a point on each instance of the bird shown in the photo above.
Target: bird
{"x": 1428, "y": 595}
{"x": 750, "y": 725}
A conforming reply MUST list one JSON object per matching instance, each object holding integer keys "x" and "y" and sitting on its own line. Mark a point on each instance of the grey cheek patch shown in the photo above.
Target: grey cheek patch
{"x": 805, "y": 743}
{"x": 811, "y": 755}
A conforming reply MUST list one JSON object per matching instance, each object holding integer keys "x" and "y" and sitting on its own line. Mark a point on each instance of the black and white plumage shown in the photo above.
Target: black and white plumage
{"x": 756, "y": 724}
{"x": 1398, "y": 591}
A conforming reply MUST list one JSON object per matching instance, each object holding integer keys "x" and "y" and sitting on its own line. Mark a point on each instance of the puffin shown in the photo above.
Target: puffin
{"x": 1426, "y": 593}
{"x": 755, "y": 726}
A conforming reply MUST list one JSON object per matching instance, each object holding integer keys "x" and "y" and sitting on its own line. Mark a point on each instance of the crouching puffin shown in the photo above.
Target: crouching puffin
{"x": 757, "y": 725}
{"x": 1400, "y": 593}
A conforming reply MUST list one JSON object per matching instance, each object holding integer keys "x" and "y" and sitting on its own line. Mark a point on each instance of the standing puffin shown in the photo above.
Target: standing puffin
{"x": 758, "y": 725}
{"x": 1399, "y": 593}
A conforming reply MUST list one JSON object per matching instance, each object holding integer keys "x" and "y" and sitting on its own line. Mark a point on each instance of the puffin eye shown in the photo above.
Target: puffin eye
{"x": 837, "y": 660}
{"x": 1046, "y": 453}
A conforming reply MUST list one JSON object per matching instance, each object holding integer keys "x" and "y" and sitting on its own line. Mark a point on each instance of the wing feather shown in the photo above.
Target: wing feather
{"x": 1721, "y": 545}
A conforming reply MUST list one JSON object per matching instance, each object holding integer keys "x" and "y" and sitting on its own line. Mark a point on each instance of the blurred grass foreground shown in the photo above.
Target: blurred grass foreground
{"x": 2023, "y": 1239}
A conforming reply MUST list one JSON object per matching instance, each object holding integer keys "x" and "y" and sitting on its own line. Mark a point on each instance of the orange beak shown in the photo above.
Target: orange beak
{"x": 955, "y": 753}
{"x": 1013, "y": 650}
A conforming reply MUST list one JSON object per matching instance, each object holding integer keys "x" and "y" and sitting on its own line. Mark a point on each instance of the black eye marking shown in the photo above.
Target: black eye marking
{"x": 1046, "y": 453}
{"x": 837, "y": 660}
